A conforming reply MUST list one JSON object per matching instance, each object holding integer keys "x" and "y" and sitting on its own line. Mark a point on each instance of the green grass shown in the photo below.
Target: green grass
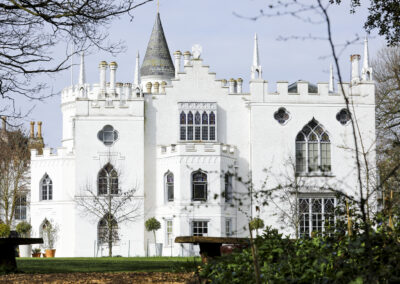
{"x": 107, "y": 264}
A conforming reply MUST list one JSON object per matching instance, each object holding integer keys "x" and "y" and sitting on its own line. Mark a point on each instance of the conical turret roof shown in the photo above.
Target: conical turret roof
{"x": 157, "y": 61}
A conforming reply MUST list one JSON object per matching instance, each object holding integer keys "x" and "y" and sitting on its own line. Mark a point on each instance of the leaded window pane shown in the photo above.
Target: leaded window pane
{"x": 20, "y": 208}
{"x": 183, "y": 118}
{"x": 316, "y": 215}
{"x": 106, "y": 232}
{"x": 212, "y": 118}
{"x": 300, "y": 157}
{"x": 312, "y": 157}
{"x": 190, "y": 117}
{"x": 212, "y": 133}
{"x": 204, "y": 133}
{"x": 199, "y": 186}
{"x": 183, "y": 133}
{"x": 199, "y": 228}
{"x": 197, "y": 133}
{"x": 325, "y": 156}
{"x": 190, "y": 133}
{"x": 47, "y": 188}
{"x": 197, "y": 119}
{"x": 170, "y": 186}
{"x": 228, "y": 188}
{"x": 107, "y": 180}
{"x": 204, "y": 118}
{"x": 169, "y": 233}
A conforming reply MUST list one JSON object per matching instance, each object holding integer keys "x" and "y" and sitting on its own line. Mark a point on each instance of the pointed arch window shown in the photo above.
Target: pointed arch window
{"x": 107, "y": 181}
{"x": 169, "y": 186}
{"x": 199, "y": 186}
{"x": 313, "y": 149}
{"x": 107, "y": 230}
{"x": 46, "y": 188}
{"x": 197, "y": 122}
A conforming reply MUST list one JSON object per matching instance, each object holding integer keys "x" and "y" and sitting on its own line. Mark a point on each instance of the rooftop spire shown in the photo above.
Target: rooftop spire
{"x": 157, "y": 60}
{"x": 136, "y": 81}
{"x": 366, "y": 71}
{"x": 256, "y": 71}
{"x": 82, "y": 75}
{"x": 331, "y": 78}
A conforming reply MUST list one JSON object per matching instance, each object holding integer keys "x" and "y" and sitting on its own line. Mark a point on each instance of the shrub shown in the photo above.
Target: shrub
{"x": 335, "y": 258}
{"x": 4, "y": 231}
{"x": 152, "y": 225}
{"x": 23, "y": 229}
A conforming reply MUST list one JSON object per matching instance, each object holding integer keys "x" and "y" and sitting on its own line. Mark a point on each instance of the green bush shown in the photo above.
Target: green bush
{"x": 4, "y": 231}
{"x": 152, "y": 225}
{"x": 322, "y": 259}
{"x": 23, "y": 229}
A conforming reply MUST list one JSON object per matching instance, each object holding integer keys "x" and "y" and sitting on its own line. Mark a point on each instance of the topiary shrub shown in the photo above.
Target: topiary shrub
{"x": 152, "y": 225}
{"x": 24, "y": 229}
{"x": 4, "y": 230}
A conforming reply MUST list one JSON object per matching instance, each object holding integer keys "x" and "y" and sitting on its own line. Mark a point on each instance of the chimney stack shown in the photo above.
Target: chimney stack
{"x": 177, "y": 55}
{"x": 186, "y": 58}
{"x": 39, "y": 133}
{"x": 355, "y": 73}
{"x": 232, "y": 86}
{"x": 103, "y": 68}
{"x": 148, "y": 87}
{"x": 32, "y": 133}
{"x": 239, "y": 85}
{"x": 113, "y": 71}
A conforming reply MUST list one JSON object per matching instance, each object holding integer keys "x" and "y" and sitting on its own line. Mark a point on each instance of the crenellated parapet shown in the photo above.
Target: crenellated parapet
{"x": 198, "y": 149}
{"x": 52, "y": 154}
{"x": 304, "y": 92}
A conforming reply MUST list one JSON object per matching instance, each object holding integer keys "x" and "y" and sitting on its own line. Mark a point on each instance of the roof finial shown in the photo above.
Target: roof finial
{"x": 158, "y": 6}
{"x": 82, "y": 75}
{"x": 366, "y": 72}
{"x": 331, "y": 79}
{"x": 256, "y": 71}
{"x": 136, "y": 81}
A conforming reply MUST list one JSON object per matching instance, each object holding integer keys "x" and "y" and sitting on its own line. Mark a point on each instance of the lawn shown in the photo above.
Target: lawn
{"x": 107, "y": 264}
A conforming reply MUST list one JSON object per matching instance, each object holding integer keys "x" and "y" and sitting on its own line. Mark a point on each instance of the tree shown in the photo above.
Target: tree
{"x": 152, "y": 225}
{"x": 14, "y": 171}
{"x": 387, "y": 77}
{"x": 109, "y": 204}
{"x": 31, "y": 30}
{"x": 256, "y": 224}
{"x": 384, "y": 15}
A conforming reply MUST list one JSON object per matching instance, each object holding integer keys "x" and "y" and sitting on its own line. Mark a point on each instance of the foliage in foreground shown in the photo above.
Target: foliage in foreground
{"x": 321, "y": 259}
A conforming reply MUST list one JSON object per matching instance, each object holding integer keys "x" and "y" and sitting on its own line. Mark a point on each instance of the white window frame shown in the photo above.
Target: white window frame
{"x": 319, "y": 143}
{"x": 20, "y": 210}
{"x": 228, "y": 227}
{"x": 201, "y": 107}
{"x": 202, "y": 227}
{"x": 311, "y": 213}
{"x": 167, "y": 184}
{"x": 169, "y": 235}
{"x": 49, "y": 188}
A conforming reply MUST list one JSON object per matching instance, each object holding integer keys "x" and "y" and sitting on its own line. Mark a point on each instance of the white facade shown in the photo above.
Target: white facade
{"x": 247, "y": 139}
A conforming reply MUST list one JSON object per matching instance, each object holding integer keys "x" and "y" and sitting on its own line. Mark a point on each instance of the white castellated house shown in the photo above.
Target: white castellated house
{"x": 188, "y": 143}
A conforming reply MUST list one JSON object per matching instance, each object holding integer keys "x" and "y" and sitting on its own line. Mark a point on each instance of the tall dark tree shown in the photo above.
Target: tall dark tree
{"x": 30, "y": 30}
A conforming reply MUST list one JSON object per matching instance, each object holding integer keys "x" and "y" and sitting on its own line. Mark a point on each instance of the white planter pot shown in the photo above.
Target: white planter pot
{"x": 159, "y": 249}
{"x": 25, "y": 251}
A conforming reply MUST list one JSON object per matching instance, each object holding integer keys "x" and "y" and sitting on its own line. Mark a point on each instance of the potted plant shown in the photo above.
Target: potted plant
{"x": 4, "y": 231}
{"x": 50, "y": 232}
{"x": 36, "y": 252}
{"x": 24, "y": 231}
{"x": 152, "y": 225}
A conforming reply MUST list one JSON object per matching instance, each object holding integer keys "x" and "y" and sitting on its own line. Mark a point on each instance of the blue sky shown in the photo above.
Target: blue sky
{"x": 227, "y": 42}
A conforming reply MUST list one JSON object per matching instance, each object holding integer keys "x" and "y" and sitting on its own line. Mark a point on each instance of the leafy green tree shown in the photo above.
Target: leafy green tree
{"x": 152, "y": 225}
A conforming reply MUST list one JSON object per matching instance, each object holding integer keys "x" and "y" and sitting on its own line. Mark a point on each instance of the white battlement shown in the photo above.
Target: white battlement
{"x": 198, "y": 149}
{"x": 50, "y": 153}
{"x": 362, "y": 92}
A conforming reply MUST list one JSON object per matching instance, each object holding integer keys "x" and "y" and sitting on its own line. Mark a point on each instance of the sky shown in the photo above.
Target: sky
{"x": 227, "y": 42}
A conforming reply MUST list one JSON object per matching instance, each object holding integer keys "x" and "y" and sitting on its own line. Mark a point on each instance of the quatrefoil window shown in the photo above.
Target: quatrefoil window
{"x": 282, "y": 115}
{"x": 343, "y": 116}
{"x": 108, "y": 135}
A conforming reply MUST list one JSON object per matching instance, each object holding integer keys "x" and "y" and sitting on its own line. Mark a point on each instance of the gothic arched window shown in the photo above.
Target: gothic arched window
{"x": 169, "y": 186}
{"x": 46, "y": 188}
{"x": 107, "y": 180}
{"x": 313, "y": 149}
{"x": 107, "y": 230}
{"x": 199, "y": 186}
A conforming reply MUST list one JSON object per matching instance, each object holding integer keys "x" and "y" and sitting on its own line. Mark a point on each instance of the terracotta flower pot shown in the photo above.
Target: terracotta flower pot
{"x": 50, "y": 252}
{"x": 36, "y": 254}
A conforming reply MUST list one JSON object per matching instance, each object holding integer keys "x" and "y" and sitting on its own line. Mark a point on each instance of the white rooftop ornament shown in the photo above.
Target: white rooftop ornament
{"x": 196, "y": 51}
